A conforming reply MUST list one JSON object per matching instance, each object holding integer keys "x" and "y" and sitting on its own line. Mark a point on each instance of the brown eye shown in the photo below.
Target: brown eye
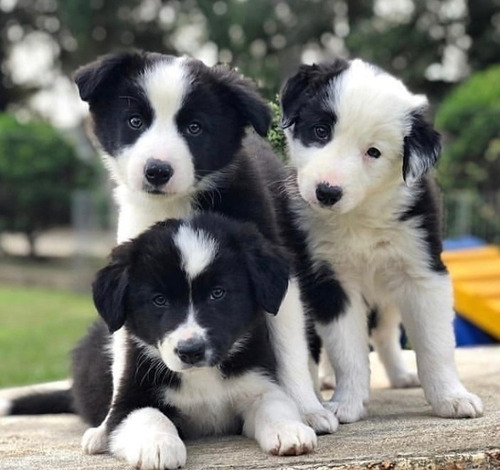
{"x": 217, "y": 293}
{"x": 194, "y": 128}
{"x": 373, "y": 152}
{"x": 135, "y": 122}
{"x": 322, "y": 132}
{"x": 160, "y": 300}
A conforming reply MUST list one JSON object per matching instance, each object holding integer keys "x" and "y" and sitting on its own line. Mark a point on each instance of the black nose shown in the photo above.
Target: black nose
{"x": 328, "y": 195}
{"x": 158, "y": 172}
{"x": 191, "y": 351}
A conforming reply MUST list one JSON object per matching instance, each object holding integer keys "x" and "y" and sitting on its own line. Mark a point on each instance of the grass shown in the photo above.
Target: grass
{"x": 38, "y": 329}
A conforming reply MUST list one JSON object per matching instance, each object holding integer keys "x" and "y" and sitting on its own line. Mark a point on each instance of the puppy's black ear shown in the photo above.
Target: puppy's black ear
{"x": 243, "y": 95}
{"x": 268, "y": 268}
{"x": 95, "y": 78}
{"x": 422, "y": 147}
{"x": 110, "y": 286}
{"x": 293, "y": 94}
{"x": 300, "y": 87}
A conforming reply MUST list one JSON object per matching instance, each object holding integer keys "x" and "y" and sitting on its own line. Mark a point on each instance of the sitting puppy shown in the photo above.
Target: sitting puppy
{"x": 361, "y": 147}
{"x": 190, "y": 300}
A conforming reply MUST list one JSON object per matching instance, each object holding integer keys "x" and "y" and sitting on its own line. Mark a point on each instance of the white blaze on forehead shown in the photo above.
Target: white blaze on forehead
{"x": 197, "y": 249}
{"x": 166, "y": 84}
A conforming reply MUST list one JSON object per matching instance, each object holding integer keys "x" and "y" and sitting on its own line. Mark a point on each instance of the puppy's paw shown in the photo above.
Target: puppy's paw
{"x": 406, "y": 379}
{"x": 5, "y": 407}
{"x": 323, "y": 421}
{"x": 95, "y": 440}
{"x": 287, "y": 438}
{"x": 346, "y": 411}
{"x": 458, "y": 405}
{"x": 148, "y": 440}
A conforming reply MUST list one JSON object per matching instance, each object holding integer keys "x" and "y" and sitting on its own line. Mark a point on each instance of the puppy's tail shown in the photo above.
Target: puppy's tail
{"x": 33, "y": 401}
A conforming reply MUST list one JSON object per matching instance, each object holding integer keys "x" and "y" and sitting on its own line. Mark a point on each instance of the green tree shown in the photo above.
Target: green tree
{"x": 470, "y": 119}
{"x": 38, "y": 172}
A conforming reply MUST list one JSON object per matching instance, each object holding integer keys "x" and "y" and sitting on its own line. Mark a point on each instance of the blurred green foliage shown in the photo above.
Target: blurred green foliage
{"x": 470, "y": 119}
{"x": 276, "y": 136}
{"x": 38, "y": 172}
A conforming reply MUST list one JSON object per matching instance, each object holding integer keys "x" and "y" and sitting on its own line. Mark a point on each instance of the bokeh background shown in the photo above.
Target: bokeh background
{"x": 56, "y": 214}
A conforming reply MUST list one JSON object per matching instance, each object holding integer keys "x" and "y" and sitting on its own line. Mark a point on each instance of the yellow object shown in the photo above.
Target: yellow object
{"x": 476, "y": 282}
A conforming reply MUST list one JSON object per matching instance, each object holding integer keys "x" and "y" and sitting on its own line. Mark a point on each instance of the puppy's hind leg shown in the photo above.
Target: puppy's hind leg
{"x": 289, "y": 339}
{"x": 386, "y": 339}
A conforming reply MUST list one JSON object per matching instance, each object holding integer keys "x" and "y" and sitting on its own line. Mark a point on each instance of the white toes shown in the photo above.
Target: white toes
{"x": 288, "y": 438}
{"x": 323, "y": 421}
{"x": 347, "y": 411}
{"x": 459, "y": 405}
{"x": 5, "y": 407}
{"x": 405, "y": 380}
{"x": 95, "y": 440}
{"x": 148, "y": 440}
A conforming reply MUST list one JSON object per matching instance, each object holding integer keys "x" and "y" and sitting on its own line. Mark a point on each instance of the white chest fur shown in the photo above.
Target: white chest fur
{"x": 212, "y": 405}
{"x": 138, "y": 211}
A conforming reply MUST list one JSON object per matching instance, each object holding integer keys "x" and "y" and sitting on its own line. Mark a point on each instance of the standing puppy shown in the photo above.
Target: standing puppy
{"x": 361, "y": 147}
{"x": 172, "y": 134}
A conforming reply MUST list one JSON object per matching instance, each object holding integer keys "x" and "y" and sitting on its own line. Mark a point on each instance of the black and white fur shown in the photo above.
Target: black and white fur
{"x": 361, "y": 148}
{"x": 172, "y": 132}
{"x": 189, "y": 300}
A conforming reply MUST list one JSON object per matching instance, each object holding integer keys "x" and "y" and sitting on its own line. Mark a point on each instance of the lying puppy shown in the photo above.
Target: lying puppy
{"x": 190, "y": 300}
{"x": 172, "y": 133}
{"x": 361, "y": 147}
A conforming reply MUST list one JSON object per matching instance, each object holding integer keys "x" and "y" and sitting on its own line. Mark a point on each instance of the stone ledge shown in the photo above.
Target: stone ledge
{"x": 399, "y": 433}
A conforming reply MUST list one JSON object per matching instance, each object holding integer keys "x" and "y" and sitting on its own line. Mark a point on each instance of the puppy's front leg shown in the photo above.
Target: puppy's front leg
{"x": 346, "y": 342}
{"x": 427, "y": 309}
{"x": 273, "y": 420}
{"x": 148, "y": 440}
{"x": 288, "y": 334}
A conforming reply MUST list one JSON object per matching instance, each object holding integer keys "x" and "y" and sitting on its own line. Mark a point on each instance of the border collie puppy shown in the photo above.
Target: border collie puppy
{"x": 172, "y": 133}
{"x": 189, "y": 299}
{"x": 361, "y": 147}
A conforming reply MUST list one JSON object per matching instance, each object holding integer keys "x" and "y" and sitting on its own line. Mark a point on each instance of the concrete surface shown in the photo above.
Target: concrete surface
{"x": 399, "y": 433}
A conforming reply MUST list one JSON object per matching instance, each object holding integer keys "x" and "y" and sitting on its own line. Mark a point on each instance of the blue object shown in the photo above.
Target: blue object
{"x": 469, "y": 335}
{"x": 461, "y": 243}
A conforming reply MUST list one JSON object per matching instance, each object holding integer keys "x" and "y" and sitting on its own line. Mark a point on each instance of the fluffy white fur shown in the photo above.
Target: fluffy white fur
{"x": 197, "y": 250}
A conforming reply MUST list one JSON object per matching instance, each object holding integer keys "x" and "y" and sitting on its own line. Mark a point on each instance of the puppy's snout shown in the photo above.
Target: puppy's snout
{"x": 328, "y": 195}
{"x": 158, "y": 172}
{"x": 191, "y": 351}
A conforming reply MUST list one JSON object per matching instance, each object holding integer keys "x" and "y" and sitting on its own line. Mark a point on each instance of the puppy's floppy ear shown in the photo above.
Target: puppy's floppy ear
{"x": 422, "y": 147}
{"x": 243, "y": 95}
{"x": 110, "y": 286}
{"x": 93, "y": 79}
{"x": 268, "y": 268}
{"x": 300, "y": 87}
{"x": 292, "y": 94}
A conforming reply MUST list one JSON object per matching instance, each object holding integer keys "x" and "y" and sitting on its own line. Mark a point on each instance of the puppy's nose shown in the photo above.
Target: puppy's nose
{"x": 328, "y": 195}
{"x": 191, "y": 351}
{"x": 158, "y": 172}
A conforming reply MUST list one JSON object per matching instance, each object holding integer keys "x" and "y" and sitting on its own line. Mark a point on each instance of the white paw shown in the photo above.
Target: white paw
{"x": 148, "y": 440}
{"x": 287, "y": 438}
{"x": 405, "y": 380}
{"x": 323, "y": 421}
{"x": 458, "y": 405}
{"x": 95, "y": 440}
{"x": 346, "y": 411}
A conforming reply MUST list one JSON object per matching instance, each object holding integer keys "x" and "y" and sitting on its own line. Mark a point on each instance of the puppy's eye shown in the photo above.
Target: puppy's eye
{"x": 194, "y": 128}
{"x": 160, "y": 300}
{"x": 217, "y": 293}
{"x": 135, "y": 122}
{"x": 373, "y": 152}
{"x": 322, "y": 132}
